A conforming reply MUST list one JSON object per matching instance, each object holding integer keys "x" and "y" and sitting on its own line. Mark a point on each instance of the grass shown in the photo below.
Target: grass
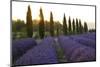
{"x": 60, "y": 53}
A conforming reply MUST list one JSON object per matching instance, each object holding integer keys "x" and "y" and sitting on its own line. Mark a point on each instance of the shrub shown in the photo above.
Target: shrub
{"x": 84, "y": 41}
{"x": 43, "y": 53}
{"x": 75, "y": 51}
{"x": 19, "y": 47}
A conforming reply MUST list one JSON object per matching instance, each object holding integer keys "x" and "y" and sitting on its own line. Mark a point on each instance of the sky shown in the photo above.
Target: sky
{"x": 85, "y": 13}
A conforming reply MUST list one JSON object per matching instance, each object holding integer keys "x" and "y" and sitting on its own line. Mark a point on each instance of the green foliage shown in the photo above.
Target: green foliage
{"x": 70, "y": 28}
{"x": 18, "y": 29}
{"x": 92, "y": 30}
{"x": 46, "y": 28}
{"x": 85, "y": 27}
{"x": 77, "y": 26}
{"x": 29, "y": 24}
{"x": 57, "y": 28}
{"x": 51, "y": 24}
{"x": 57, "y": 31}
{"x": 74, "y": 27}
{"x": 18, "y": 25}
{"x": 80, "y": 27}
{"x": 41, "y": 25}
{"x": 64, "y": 26}
{"x": 35, "y": 25}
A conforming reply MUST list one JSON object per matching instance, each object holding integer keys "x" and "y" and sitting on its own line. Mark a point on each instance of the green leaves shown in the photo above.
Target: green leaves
{"x": 41, "y": 25}
{"x": 29, "y": 24}
{"x": 65, "y": 26}
{"x": 51, "y": 24}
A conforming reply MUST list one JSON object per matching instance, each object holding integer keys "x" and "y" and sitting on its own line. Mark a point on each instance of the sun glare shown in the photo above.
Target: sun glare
{"x": 14, "y": 18}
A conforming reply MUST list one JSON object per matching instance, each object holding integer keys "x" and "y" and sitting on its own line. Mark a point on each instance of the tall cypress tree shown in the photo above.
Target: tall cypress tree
{"x": 80, "y": 27}
{"x": 29, "y": 24}
{"x": 70, "y": 28}
{"x": 41, "y": 25}
{"x": 77, "y": 26}
{"x": 74, "y": 28}
{"x": 51, "y": 24}
{"x": 64, "y": 26}
{"x": 85, "y": 27}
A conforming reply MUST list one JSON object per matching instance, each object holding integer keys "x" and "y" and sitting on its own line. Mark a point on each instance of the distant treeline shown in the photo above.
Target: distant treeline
{"x": 49, "y": 28}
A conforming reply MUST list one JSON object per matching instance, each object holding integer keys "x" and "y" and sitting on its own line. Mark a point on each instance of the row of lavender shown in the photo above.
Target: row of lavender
{"x": 88, "y": 39}
{"x": 79, "y": 47}
{"x": 76, "y": 48}
{"x": 43, "y": 53}
{"x": 20, "y": 47}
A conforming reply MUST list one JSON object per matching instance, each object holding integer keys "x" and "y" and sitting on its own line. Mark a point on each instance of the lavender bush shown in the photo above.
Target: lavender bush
{"x": 90, "y": 35}
{"x": 76, "y": 52}
{"x": 43, "y": 53}
{"x": 85, "y": 41}
{"x": 19, "y": 47}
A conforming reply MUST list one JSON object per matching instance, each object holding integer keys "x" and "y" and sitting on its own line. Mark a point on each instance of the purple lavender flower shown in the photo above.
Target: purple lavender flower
{"x": 85, "y": 41}
{"x": 75, "y": 51}
{"x": 44, "y": 53}
{"x": 91, "y": 36}
{"x": 19, "y": 47}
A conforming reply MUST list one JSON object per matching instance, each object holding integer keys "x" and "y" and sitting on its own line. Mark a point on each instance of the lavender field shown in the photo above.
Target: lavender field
{"x": 52, "y": 33}
{"x": 51, "y": 50}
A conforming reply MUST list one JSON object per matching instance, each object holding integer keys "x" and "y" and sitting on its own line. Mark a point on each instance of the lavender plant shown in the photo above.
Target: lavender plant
{"x": 44, "y": 53}
{"x": 85, "y": 41}
{"x": 75, "y": 51}
{"x": 20, "y": 47}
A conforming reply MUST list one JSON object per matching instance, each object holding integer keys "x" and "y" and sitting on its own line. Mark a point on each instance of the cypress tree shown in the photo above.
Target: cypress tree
{"x": 41, "y": 25}
{"x": 64, "y": 26}
{"x": 51, "y": 24}
{"x": 29, "y": 24}
{"x": 80, "y": 27}
{"x": 77, "y": 26}
{"x": 74, "y": 28}
{"x": 85, "y": 27}
{"x": 70, "y": 28}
